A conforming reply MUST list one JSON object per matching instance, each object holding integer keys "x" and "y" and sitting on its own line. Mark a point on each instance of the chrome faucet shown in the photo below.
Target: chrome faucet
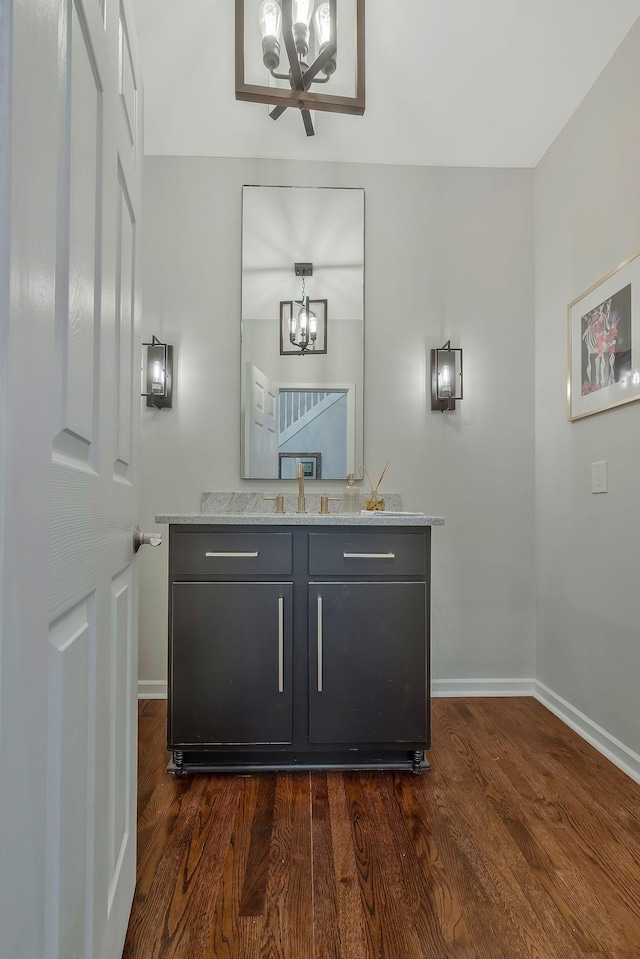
{"x": 301, "y": 503}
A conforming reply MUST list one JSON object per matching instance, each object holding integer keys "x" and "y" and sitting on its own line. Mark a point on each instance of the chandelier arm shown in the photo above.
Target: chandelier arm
{"x": 308, "y": 124}
{"x": 306, "y": 116}
{"x": 317, "y": 65}
{"x": 298, "y": 81}
{"x": 277, "y": 112}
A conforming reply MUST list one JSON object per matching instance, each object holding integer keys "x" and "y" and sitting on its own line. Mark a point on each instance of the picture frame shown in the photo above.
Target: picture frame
{"x": 604, "y": 343}
{"x": 311, "y": 465}
{"x": 319, "y": 307}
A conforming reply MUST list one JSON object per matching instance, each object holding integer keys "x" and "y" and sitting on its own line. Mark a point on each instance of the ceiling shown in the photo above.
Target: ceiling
{"x": 449, "y": 82}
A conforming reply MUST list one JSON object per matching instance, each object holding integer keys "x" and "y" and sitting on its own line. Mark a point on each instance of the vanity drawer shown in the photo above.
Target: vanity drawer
{"x": 216, "y": 554}
{"x": 381, "y": 553}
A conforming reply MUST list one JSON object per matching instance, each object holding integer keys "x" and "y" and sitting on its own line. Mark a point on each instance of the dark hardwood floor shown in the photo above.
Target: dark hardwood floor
{"x": 522, "y": 841}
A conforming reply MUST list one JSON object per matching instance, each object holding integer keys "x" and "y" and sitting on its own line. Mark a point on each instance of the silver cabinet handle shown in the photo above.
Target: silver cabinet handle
{"x": 319, "y": 644}
{"x": 280, "y": 644}
{"x": 232, "y": 554}
{"x": 369, "y": 555}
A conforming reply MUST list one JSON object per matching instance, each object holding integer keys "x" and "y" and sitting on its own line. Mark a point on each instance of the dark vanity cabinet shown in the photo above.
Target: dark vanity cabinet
{"x": 298, "y": 647}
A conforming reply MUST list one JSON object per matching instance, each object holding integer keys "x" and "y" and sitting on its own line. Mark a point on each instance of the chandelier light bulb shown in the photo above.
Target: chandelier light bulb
{"x": 322, "y": 21}
{"x": 157, "y": 377}
{"x": 302, "y": 10}
{"x": 270, "y": 18}
{"x": 445, "y": 387}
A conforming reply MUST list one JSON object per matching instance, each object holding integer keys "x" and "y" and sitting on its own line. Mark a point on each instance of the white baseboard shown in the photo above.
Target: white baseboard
{"x": 152, "y": 689}
{"x": 483, "y": 687}
{"x": 619, "y": 754}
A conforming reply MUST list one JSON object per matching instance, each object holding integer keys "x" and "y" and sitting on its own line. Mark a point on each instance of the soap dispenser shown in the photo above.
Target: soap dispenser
{"x": 351, "y": 496}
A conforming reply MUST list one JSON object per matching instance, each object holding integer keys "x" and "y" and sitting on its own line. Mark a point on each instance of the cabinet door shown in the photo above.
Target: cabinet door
{"x": 367, "y": 663}
{"x": 230, "y": 663}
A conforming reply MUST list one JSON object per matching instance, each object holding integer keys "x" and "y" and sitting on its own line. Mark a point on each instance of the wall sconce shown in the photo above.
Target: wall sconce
{"x": 309, "y": 35}
{"x": 446, "y": 378}
{"x": 157, "y": 374}
{"x": 303, "y": 322}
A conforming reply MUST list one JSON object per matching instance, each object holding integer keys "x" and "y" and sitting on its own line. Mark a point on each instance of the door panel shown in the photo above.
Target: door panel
{"x": 69, "y": 884}
{"x": 260, "y": 449}
{"x": 127, "y": 78}
{"x": 78, "y": 296}
{"x": 120, "y": 750}
{"x": 124, "y": 352}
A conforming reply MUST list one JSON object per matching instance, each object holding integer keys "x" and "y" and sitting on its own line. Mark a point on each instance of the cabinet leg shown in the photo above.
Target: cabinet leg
{"x": 418, "y": 756}
{"x": 178, "y": 759}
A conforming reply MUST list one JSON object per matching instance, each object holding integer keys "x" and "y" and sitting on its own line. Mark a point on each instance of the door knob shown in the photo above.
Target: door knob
{"x": 145, "y": 539}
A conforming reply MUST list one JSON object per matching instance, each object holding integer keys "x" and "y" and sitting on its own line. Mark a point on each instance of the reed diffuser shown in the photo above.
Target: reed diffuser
{"x": 375, "y": 501}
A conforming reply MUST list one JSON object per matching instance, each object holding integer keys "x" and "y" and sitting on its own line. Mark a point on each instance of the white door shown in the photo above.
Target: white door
{"x": 261, "y": 425}
{"x": 69, "y": 279}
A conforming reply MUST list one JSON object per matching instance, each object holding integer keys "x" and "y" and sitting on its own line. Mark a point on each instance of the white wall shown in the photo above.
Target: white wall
{"x": 448, "y": 253}
{"x": 587, "y": 214}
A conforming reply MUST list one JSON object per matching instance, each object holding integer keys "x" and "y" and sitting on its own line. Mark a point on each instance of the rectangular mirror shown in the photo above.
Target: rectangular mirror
{"x": 302, "y": 331}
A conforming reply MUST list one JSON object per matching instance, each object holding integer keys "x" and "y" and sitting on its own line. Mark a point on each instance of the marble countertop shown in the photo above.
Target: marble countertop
{"x": 375, "y": 518}
{"x": 252, "y": 509}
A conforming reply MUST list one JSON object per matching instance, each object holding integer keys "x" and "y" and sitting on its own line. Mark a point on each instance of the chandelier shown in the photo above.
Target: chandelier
{"x": 303, "y": 322}
{"x": 309, "y": 31}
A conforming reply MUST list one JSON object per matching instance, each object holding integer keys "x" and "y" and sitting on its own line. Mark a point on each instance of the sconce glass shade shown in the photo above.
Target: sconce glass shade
{"x": 446, "y": 378}
{"x": 157, "y": 374}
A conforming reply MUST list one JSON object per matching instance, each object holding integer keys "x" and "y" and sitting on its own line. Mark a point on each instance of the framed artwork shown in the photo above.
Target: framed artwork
{"x": 604, "y": 343}
{"x": 288, "y": 462}
{"x": 319, "y": 309}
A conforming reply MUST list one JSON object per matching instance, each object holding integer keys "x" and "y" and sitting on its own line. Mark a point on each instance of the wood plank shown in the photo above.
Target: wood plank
{"x": 389, "y": 923}
{"x": 237, "y": 928}
{"x": 186, "y": 875}
{"x": 351, "y": 927}
{"x": 438, "y": 909}
{"x": 288, "y": 929}
{"x": 326, "y": 936}
{"x": 254, "y": 888}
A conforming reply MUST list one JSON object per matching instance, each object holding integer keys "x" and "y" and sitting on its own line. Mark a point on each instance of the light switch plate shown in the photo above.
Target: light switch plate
{"x": 599, "y": 477}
